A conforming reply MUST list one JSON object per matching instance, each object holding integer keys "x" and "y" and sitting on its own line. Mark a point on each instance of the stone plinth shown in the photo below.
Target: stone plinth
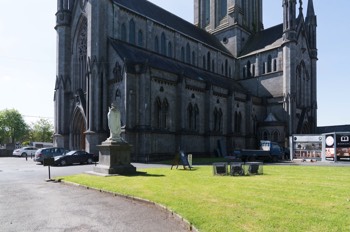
{"x": 114, "y": 158}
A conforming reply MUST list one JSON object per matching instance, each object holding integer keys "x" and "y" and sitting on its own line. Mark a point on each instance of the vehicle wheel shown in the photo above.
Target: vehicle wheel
{"x": 89, "y": 161}
{"x": 23, "y": 154}
{"x": 63, "y": 162}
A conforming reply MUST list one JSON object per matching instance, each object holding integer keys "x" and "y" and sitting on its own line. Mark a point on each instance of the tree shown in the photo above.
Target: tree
{"x": 42, "y": 131}
{"x": 12, "y": 126}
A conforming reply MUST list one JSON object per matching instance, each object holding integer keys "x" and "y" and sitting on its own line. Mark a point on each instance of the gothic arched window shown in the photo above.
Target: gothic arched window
{"x": 165, "y": 108}
{"x": 249, "y": 74}
{"x": 275, "y": 65}
{"x": 208, "y": 61}
{"x": 264, "y": 67}
{"x": 156, "y": 44}
{"x": 188, "y": 53}
{"x": 132, "y": 35}
{"x": 204, "y": 60}
{"x": 269, "y": 64}
{"x": 80, "y": 82}
{"x": 182, "y": 54}
{"x": 217, "y": 119}
{"x": 190, "y": 116}
{"x": 140, "y": 38}
{"x": 299, "y": 85}
{"x": 219, "y": 127}
{"x": 216, "y": 116}
{"x": 196, "y": 117}
{"x": 170, "y": 49}
{"x": 255, "y": 124}
{"x": 123, "y": 32}
{"x": 161, "y": 113}
{"x": 158, "y": 113}
{"x": 163, "y": 44}
{"x": 237, "y": 122}
{"x": 193, "y": 58}
{"x": 275, "y": 136}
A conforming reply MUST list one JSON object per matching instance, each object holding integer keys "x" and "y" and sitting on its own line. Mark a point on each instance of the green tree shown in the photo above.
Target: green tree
{"x": 13, "y": 128}
{"x": 42, "y": 131}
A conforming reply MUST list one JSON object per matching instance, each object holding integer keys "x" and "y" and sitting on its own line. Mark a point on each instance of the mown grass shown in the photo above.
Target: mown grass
{"x": 285, "y": 198}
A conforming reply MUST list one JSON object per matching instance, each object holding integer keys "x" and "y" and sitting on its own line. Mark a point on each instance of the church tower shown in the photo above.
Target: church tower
{"x": 311, "y": 24}
{"x": 63, "y": 28}
{"x": 289, "y": 64}
{"x": 289, "y": 20}
{"x": 231, "y": 21}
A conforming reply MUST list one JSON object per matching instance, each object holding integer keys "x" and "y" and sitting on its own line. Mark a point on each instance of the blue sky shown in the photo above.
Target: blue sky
{"x": 28, "y": 54}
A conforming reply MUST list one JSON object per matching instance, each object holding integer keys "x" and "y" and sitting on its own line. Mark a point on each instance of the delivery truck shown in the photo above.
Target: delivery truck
{"x": 268, "y": 152}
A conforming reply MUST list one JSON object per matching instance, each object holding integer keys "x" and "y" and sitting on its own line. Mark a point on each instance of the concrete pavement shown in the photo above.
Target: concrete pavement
{"x": 29, "y": 203}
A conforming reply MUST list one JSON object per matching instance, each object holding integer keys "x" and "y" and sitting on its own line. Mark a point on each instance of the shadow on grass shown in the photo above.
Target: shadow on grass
{"x": 138, "y": 173}
{"x": 187, "y": 169}
{"x": 144, "y": 174}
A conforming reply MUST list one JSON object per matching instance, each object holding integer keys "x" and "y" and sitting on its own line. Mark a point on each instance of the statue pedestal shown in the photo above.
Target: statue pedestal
{"x": 114, "y": 158}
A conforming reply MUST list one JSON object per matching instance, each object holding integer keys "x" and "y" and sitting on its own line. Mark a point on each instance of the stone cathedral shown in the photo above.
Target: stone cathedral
{"x": 180, "y": 85}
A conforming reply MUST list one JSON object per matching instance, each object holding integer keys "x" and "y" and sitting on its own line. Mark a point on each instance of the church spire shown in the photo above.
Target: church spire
{"x": 311, "y": 25}
{"x": 310, "y": 9}
{"x": 300, "y": 7}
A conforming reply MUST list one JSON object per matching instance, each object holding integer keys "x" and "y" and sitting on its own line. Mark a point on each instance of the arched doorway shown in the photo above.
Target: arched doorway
{"x": 78, "y": 128}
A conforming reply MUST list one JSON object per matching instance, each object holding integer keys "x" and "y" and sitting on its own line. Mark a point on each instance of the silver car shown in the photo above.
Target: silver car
{"x": 44, "y": 153}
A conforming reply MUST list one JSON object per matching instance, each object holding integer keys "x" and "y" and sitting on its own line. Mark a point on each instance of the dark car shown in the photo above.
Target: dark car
{"x": 44, "y": 153}
{"x": 75, "y": 157}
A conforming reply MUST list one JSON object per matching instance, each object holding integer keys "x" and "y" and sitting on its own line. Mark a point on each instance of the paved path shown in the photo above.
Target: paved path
{"x": 29, "y": 203}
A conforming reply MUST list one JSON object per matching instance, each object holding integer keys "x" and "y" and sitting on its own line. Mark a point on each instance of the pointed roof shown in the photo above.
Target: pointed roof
{"x": 161, "y": 16}
{"x": 271, "y": 118}
{"x": 267, "y": 39}
{"x": 310, "y": 15}
{"x": 310, "y": 9}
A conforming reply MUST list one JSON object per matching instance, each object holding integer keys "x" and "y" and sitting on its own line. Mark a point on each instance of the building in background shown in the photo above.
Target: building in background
{"x": 184, "y": 85}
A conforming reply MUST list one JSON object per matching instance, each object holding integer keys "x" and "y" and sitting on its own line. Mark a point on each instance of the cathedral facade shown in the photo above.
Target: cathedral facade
{"x": 181, "y": 85}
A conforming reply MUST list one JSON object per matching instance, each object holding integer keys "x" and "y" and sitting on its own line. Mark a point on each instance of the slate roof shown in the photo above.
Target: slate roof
{"x": 156, "y": 13}
{"x": 264, "y": 40}
{"x": 134, "y": 55}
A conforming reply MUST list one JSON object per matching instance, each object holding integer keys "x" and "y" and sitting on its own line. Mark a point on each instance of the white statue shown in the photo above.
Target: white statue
{"x": 114, "y": 124}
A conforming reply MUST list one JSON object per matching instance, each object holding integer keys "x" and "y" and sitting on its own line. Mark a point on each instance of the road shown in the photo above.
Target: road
{"x": 29, "y": 203}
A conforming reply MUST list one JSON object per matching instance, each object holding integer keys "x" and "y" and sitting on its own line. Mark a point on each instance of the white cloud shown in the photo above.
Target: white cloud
{"x": 6, "y": 78}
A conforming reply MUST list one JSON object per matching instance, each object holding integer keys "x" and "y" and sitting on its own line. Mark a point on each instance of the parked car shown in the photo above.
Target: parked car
{"x": 25, "y": 151}
{"x": 44, "y": 153}
{"x": 75, "y": 157}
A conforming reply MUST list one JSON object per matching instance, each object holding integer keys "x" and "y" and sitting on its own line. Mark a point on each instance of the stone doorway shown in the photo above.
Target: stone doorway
{"x": 78, "y": 131}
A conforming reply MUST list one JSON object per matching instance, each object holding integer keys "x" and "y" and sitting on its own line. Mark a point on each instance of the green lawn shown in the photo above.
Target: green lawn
{"x": 285, "y": 198}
